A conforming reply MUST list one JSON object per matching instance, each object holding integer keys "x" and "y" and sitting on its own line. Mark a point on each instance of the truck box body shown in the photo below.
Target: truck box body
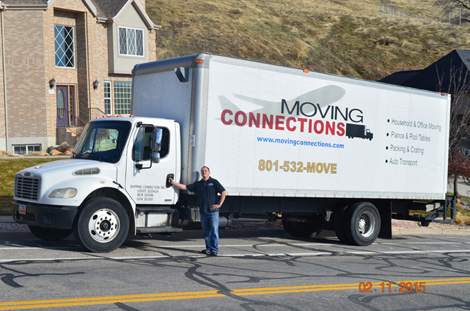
{"x": 266, "y": 130}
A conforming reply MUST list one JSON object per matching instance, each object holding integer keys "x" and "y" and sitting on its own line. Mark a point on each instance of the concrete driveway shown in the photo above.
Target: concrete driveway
{"x": 462, "y": 187}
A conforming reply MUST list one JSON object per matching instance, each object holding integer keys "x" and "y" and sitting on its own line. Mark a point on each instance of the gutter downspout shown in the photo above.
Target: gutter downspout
{"x": 2, "y": 8}
{"x": 87, "y": 66}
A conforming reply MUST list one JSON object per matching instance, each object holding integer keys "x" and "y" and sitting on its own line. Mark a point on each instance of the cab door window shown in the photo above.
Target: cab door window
{"x": 142, "y": 150}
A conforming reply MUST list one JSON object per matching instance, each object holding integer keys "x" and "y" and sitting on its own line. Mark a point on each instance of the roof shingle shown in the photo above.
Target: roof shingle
{"x": 107, "y": 8}
{"x": 449, "y": 74}
{"x": 7, "y": 2}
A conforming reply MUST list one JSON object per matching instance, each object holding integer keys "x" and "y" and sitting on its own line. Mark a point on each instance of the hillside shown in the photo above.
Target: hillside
{"x": 344, "y": 37}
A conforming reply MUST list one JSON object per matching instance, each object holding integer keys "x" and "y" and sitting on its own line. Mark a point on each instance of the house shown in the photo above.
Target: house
{"x": 64, "y": 62}
{"x": 450, "y": 74}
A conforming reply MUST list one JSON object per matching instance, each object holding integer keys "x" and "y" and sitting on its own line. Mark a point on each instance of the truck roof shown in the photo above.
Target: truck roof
{"x": 203, "y": 61}
{"x": 132, "y": 119}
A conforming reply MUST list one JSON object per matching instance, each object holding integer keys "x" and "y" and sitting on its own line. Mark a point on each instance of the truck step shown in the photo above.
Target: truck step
{"x": 162, "y": 229}
{"x": 425, "y": 206}
{"x": 155, "y": 209}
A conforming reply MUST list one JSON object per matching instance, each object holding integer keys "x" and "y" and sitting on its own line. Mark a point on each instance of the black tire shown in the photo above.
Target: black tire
{"x": 362, "y": 223}
{"x": 302, "y": 229}
{"x": 49, "y": 234}
{"x": 101, "y": 225}
{"x": 339, "y": 225}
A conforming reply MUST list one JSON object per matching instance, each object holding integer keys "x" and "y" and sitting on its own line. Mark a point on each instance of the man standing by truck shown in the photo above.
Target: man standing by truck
{"x": 206, "y": 191}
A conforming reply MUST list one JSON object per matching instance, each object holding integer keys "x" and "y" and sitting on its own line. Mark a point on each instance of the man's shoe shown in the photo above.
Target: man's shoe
{"x": 206, "y": 252}
{"x": 214, "y": 254}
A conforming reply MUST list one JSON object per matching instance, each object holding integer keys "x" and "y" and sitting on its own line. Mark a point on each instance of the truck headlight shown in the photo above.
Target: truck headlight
{"x": 64, "y": 193}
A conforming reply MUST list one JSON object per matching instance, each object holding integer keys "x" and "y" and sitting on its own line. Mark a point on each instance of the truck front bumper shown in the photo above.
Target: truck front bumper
{"x": 44, "y": 215}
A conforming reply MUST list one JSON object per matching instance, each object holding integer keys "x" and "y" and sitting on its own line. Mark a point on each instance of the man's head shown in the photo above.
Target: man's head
{"x": 205, "y": 172}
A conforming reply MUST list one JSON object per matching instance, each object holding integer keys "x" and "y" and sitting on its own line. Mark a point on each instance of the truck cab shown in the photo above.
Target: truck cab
{"x": 114, "y": 183}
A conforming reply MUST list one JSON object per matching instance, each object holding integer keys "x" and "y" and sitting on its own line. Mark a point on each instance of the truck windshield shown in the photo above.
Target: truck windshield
{"x": 103, "y": 141}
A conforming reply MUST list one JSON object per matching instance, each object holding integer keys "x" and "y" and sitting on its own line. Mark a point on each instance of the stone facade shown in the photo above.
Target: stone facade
{"x": 29, "y": 106}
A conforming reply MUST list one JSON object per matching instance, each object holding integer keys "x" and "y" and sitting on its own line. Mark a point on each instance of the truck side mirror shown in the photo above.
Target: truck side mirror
{"x": 156, "y": 144}
{"x": 156, "y": 157}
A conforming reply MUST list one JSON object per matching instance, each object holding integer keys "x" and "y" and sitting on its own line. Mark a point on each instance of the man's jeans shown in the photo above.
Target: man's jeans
{"x": 210, "y": 226}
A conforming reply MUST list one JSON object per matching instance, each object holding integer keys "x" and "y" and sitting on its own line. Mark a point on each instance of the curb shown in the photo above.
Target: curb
{"x": 6, "y": 219}
{"x": 429, "y": 231}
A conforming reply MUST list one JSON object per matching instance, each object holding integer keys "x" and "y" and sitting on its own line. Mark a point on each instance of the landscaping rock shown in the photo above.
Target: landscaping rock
{"x": 5, "y": 153}
{"x": 40, "y": 153}
{"x": 62, "y": 149}
{"x": 55, "y": 152}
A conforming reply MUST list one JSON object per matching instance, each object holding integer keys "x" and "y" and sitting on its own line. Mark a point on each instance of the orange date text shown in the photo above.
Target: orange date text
{"x": 388, "y": 287}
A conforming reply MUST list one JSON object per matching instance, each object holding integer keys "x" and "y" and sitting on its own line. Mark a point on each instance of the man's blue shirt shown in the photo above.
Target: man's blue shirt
{"x": 206, "y": 192}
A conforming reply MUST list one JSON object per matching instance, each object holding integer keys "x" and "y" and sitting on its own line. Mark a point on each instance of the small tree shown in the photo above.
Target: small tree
{"x": 459, "y": 9}
{"x": 458, "y": 85}
{"x": 449, "y": 5}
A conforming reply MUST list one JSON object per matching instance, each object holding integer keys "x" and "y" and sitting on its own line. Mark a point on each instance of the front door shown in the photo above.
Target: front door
{"x": 147, "y": 184}
{"x": 66, "y": 105}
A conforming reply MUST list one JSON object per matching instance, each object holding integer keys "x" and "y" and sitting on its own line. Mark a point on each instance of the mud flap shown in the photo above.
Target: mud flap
{"x": 386, "y": 221}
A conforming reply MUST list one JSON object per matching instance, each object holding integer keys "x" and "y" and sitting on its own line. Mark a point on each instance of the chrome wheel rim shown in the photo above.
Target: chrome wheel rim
{"x": 366, "y": 224}
{"x": 104, "y": 225}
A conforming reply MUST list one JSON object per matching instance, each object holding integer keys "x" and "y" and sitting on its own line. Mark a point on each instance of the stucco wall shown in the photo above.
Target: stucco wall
{"x": 123, "y": 64}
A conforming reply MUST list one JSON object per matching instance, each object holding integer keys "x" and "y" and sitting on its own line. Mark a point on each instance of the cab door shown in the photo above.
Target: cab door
{"x": 148, "y": 170}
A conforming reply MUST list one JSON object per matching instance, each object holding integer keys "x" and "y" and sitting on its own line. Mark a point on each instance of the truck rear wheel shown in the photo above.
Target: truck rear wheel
{"x": 362, "y": 222}
{"x": 49, "y": 234}
{"x": 301, "y": 229}
{"x": 102, "y": 225}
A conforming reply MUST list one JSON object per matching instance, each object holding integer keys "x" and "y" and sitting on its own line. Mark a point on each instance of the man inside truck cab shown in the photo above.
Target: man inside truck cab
{"x": 207, "y": 190}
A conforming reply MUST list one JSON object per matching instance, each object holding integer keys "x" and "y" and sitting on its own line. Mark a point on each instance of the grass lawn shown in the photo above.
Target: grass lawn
{"x": 8, "y": 168}
{"x": 462, "y": 214}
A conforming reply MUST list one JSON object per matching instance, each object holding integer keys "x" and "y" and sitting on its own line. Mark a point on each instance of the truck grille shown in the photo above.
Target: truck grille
{"x": 27, "y": 188}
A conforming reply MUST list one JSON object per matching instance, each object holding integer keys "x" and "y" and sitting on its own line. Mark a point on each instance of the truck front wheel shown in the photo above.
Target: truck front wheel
{"x": 101, "y": 225}
{"x": 362, "y": 222}
{"x": 49, "y": 234}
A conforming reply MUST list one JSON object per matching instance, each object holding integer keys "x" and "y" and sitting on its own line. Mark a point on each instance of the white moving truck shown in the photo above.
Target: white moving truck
{"x": 323, "y": 151}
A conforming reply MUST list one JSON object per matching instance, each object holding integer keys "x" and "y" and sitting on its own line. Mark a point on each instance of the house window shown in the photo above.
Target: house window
{"x": 64, "y": 46}
{"x": 26, "y": 149}
{"x": 107, "y": 97}
{"x": 117, "y": 97}
{"x": 131, "y": 41}
{"x": 122, "y": 97}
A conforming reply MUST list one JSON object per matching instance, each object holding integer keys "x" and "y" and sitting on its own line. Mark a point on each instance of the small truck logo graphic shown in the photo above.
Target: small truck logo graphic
{"x": 358, "y": 130}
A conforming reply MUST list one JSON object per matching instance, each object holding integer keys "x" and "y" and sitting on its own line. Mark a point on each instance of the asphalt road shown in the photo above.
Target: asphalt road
{"x": 259, "y": 268}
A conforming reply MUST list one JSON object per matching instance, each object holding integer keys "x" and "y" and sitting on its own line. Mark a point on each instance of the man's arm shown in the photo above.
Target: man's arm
{"x": 177, "y": 184}
{"x": 222, "y": 199}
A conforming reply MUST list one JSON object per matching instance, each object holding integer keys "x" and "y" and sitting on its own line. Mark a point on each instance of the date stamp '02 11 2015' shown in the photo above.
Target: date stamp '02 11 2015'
{"x": 388, "y": 287}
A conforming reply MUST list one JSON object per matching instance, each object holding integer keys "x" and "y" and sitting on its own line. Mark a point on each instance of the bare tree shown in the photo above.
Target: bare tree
{"x": 458, "y": 85}
{"x": 449, "y": 5}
